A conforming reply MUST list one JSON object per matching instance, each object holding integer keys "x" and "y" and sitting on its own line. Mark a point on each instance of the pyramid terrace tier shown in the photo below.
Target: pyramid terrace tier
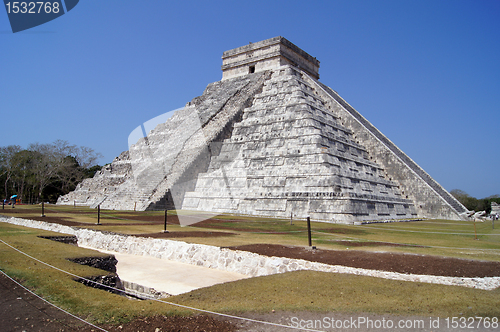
{"x": 274, "y": 143}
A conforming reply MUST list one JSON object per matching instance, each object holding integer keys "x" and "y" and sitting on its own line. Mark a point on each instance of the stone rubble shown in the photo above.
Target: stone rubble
{"x": 243, "y": 262}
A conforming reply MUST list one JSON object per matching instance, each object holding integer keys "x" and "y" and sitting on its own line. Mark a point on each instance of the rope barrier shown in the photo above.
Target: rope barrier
{"x": 109, "y": 216}
{"x": 161, "y": 301}
{"x": 427, "y": 232}
{"x": 354, "y": 239}
{"x": 41, "y": 298}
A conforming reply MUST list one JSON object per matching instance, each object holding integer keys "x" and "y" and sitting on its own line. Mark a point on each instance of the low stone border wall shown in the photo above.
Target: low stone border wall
{"x": 143, "y": 292}
{"x": 243, "y": 262}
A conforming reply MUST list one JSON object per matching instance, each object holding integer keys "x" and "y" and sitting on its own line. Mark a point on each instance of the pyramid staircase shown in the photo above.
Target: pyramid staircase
{"x": 290, "y": 154}
{"x": 269, "y": 139}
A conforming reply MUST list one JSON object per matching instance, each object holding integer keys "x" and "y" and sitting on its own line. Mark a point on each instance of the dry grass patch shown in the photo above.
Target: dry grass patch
{"x": 297, "y": 291}
{"x": 328, "y": 292}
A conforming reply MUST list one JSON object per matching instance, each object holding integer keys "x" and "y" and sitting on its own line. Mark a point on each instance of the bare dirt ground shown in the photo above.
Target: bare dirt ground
{"x": 21, "y": 311}
{"x": 392, "y": 262}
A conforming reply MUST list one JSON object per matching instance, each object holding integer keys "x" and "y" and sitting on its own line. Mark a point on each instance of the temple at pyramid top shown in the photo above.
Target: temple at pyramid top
{"x": 267, "y": 54}
{"x": 270, "y": 140}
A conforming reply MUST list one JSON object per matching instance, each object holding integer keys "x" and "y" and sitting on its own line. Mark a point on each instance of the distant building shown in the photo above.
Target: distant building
{"x": 495, "y": 209}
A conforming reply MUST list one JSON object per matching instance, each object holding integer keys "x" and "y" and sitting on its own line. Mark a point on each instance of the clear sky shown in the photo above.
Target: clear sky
{"x": 425, "y": 73}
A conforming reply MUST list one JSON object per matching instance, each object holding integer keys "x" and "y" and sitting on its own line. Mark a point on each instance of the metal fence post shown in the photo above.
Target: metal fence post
{"x": 165, "y": 226}
{"x": 309, "y": 231}
{"x": 99, "y": 214}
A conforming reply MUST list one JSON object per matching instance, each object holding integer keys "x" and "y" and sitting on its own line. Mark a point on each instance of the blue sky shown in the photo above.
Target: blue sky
{"x": 426, "y": 73}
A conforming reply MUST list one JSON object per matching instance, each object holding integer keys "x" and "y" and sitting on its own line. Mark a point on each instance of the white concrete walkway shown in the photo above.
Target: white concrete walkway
{"x": 168, "y": 276}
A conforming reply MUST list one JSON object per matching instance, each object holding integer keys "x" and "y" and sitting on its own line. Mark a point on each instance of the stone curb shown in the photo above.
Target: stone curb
{"x": 243, "y": 262}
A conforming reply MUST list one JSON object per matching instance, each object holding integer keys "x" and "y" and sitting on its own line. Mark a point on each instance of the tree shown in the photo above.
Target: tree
{"x": 459, "y": 194}
{"x": 76, "y": 164}
{"x": 6, "y": 171}
{"x": 474, "y": 204}
{"x": 63, "y": 162}
{"x": 45, "y": 169}
{"x": 469, "y": 202}
{"x": 23, "y": 164}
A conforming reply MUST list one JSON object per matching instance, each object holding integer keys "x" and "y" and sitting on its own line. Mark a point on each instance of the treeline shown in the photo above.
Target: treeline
{"x": 474, "y": 204}
{"x": 44, "y": 171}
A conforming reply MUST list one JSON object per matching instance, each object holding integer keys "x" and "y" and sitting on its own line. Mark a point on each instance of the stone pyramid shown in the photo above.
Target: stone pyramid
{"x": 269, "y": 139}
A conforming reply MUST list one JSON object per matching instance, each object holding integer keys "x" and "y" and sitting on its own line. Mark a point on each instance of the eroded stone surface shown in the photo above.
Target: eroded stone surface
{"x": 291, "y": 155}
{"x": 274, "y": 142}
{"x": 159, "y": 168}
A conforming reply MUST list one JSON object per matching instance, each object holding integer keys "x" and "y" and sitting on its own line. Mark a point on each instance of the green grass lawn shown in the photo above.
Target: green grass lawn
{"x": 296, "y": 291}
{"x": 433, "y": 237}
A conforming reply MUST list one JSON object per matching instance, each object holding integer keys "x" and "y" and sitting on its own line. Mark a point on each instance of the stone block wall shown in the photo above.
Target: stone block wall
{"x": 289, "y": 154}
{"x": 431, "y": 199}
{"x": 266, "y": 55}
{"x": 159, "y": 168}
{"x": 273, "y": 143}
